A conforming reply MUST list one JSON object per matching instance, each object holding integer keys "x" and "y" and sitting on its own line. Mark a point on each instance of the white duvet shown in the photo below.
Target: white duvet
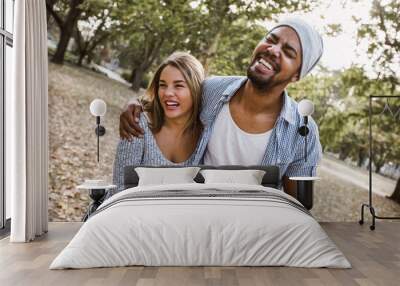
{"x": 183, "y": 231}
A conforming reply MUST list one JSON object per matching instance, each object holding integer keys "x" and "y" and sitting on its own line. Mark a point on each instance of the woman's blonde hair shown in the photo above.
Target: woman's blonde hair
{"x": 193, "y": 72}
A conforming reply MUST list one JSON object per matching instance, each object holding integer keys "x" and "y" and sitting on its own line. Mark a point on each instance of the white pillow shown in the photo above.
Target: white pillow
{"x": 249, "y": 177}
{"x": 163, "y": 176}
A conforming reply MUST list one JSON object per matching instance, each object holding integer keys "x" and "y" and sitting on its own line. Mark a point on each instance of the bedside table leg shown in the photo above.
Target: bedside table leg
{"x": 86, "y": 216}
{"x": 97, "y": 195}
{"x": 305, "y": 193}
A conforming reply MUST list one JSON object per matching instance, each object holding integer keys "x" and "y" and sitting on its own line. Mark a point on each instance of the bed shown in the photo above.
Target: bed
{"x": 201, "y": 224}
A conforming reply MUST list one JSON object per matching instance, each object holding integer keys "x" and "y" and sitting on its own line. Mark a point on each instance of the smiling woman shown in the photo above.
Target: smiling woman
{"x": 171, "y": 121}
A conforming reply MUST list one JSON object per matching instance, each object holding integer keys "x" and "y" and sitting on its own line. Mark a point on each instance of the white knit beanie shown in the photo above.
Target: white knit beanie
{"x": 310, "y": 41}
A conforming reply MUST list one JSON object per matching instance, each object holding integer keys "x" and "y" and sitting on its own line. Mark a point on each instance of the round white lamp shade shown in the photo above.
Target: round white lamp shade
{"x": 305, "y": 107}
{"x": 98, "y": 107}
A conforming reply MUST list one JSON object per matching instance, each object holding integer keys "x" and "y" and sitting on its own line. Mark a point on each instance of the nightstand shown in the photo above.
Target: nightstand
{"x": 97, "y": 193}
{"x": 305, "y": 188}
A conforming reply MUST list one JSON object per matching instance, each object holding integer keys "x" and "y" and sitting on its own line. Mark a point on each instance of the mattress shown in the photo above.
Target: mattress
{"x": 201, "y": 225}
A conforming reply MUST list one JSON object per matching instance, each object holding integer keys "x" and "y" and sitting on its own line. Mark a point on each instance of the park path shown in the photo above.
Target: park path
{"x": 381, "y": 185}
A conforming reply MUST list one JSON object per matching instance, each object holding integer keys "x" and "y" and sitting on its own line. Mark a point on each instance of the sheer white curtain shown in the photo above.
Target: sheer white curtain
{"x": 26, "y": 124}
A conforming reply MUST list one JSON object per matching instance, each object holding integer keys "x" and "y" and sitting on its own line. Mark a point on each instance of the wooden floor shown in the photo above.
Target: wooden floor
{"x": 374, "y": 255}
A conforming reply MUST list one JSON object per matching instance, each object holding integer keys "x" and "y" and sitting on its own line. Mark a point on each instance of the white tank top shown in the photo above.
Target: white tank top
{"x": 230, "y": 145}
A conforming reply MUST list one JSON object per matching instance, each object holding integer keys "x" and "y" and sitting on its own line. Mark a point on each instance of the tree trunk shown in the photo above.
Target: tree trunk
{"x": 396, "y": 194}
{"x": 361, "y": 157}
{"x": 89, "y": 58}
{"x": 78, "y": 41}
{"x": 49, "y": 6}
{"x": 142, "y": 64}
{"x": 136, "y": 78}
{"x": 378, "y": 168}
{"x": 378, "y": 165}
{"x": 89, "y": 49}
{"x": 58, "y": 57}
{"x": 82, "y": 55}
{"x": 210, "y": 53}
{"x": 342, "y": 154}
{"x": 67, "y": 30}
{"x": 48, "y": 17}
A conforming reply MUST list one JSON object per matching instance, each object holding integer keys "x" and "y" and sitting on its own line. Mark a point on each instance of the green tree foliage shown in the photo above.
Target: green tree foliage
{"x": 96, "y": 25}
{"x": 68, "y": 13}
{"x": 234, "y": 52}
{"x": 342, "y": 99}
{"x": 210, "y": 30}
{"x": 221, "y": 33}
{"x": 384, "y": 39}
{"x": 228, "y": 25}
{"x": 150, "y": 30}
{"x": 342, "y": 106}
{"x": 384, "y": 50}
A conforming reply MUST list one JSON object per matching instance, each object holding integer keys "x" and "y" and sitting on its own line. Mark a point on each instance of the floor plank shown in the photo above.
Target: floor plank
{"x": 375, "y": 257}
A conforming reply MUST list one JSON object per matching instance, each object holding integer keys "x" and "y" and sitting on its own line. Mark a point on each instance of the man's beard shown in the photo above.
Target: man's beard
{"x": 258, "y": 82}
{"x": 263, "y": 84}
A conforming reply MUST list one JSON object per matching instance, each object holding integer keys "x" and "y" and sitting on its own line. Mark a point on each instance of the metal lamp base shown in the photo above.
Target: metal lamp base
{"x": 374, "y": 216}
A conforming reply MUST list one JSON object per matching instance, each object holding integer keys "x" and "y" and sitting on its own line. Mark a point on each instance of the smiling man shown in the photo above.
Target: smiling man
{"x": 252, "y": 120}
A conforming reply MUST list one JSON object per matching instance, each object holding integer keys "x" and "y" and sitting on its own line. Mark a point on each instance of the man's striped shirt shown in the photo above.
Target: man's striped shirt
{"x": 285, "y": 148}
